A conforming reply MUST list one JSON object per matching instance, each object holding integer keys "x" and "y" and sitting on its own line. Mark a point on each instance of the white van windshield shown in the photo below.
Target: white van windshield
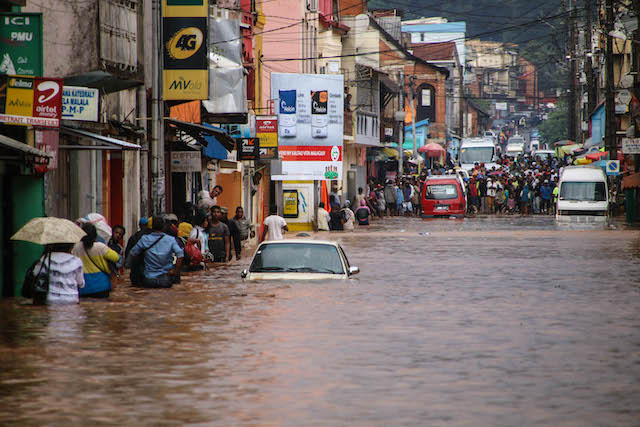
{"x": 476, "y": 154}
{"x": 583, "y": 191}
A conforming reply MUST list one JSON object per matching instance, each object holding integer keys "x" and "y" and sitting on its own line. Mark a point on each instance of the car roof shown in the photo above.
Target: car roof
{"x": 441, "y": 178}
{"x": 300, "y": 242}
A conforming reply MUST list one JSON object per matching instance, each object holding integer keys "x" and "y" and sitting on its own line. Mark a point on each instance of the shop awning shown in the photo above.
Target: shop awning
{"x": 631, "y": 181}
{"x": 199, "y": 132}
{"x": 105, "y": 142}
{"x": 12, "y": 144}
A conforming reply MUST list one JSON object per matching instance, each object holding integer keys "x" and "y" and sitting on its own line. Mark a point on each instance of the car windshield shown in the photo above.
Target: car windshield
{"x": 297, "y": 257}
{"x": 583, "y": 191}
{"x": 476, "y": 154}
{"x": 441, "y": 192}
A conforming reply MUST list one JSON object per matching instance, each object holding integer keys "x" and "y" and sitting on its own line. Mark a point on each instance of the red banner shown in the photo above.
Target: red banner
{"x": 310, "y": 153}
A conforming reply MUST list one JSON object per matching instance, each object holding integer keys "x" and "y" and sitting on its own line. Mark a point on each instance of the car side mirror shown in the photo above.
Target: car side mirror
{"x": 244, "y": 273}
{"x": 353, "y": 270}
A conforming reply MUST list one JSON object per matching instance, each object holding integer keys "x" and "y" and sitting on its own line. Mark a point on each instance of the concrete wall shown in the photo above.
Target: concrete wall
{"x": 279, "y": 42}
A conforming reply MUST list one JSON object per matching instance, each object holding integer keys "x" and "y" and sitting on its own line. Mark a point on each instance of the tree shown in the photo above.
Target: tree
{"x": 556, "y": 127}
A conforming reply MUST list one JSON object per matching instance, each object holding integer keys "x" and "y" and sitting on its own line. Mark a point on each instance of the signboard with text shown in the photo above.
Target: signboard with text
{"x": 267, "y": 132}
{"x": 21, "y": 44}
{"x": 30, "y": 101}
{"x": 80, "y": 103}
{"x": 310, "y": 109}
{"x": 247, "y": 148}
{"x": 630, "y": 145}
{"x": 186, "y": 161}
{"x": 185, "y": 44}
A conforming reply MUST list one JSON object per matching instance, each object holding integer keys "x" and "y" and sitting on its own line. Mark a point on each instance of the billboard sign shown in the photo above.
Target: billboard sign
{"x": 184, "y": 29}
{"x": 30, "y": 101}
{"x": 267, "y": 131}
{"x": 248, "y": 148}
{"x": 21, "y": 44}
{"x": 80, "y": 103}
{"x": 310, "y": 110}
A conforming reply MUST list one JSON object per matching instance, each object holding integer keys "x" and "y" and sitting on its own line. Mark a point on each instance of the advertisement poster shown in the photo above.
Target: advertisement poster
{"x": 310, "y": 109}
{"x": 267, "y": 132}
{"x": 21, "y": 44}
{"x": 80, "y": 103}
{"x": 31, "y": 101}
{"x": 290, "y": 205}
{"x": 184, "y": 29}
{"x": 248, "y": 148}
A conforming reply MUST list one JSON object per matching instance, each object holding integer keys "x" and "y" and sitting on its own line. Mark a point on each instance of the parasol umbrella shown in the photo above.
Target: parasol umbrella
{"x": 432, "y": 150}
{"x": 49, "y": 230}
{"x": 563, "y": 142}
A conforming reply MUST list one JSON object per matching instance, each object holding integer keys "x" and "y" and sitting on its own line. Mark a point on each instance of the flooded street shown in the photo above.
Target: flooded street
{"x": 479, "y": 322}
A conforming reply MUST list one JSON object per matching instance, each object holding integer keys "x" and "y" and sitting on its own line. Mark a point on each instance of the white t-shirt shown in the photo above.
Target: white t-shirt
{"x": 323, "y": 219}
{"x": 198, "y": 232}
{"x": 275, "y": 224}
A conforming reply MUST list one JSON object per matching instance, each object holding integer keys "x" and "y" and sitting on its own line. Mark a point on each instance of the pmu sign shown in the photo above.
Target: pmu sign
{"x": 21, "y": 44}
{"x": 186, "y": 72}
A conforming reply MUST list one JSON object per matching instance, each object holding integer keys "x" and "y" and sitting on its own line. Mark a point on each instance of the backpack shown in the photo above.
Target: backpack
{"x": 193, "y": 255}
{"x": 36, "y": 286}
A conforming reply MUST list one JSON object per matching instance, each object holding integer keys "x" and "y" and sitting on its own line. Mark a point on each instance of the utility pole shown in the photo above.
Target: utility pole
{"x": 635, "y": 49}
{"x": 413, "y": 116}
{"x": 158, "y": 204}
{"x": 401, "y": 139}
{"x": 610, "y": 113}
{"x": 592, "y": 83}
{"x": 573, "y": 113}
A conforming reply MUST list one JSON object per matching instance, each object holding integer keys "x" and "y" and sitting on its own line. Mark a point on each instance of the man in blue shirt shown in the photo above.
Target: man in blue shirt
{"x": 158, "y": 249}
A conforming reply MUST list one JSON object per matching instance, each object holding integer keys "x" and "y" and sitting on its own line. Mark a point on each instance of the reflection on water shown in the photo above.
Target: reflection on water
{"x": 484, "y": 321}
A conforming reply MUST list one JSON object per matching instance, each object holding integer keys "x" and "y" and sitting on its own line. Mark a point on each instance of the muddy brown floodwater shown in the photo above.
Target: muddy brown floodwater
{"x": 481, "y": 322}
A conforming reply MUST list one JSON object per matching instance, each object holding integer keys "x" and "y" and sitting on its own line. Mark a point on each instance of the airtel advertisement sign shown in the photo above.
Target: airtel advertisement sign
{"x": 31, "y": 101}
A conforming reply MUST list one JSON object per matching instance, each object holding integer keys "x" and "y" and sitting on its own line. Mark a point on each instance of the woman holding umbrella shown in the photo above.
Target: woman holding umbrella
{"x": 95, "y": 257}
{"x": 56, "y": 276}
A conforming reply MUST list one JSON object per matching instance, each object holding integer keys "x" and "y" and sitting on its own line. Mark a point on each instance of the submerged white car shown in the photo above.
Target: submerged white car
{"x": 299, "y": 259}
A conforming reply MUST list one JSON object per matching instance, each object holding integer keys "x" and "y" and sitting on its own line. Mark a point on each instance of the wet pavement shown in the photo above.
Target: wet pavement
{"x": 479, "y": 322}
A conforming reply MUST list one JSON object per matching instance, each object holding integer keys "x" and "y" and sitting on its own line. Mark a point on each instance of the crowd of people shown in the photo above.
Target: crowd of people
{"x": 156, "y": 254}
{"x": 522, "y": 185}
{"x": 166, "y": 245}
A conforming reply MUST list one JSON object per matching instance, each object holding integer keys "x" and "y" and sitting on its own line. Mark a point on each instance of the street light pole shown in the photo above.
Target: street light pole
{"x": 610, "y": 113}
{"x": 401, "y": 136}
{"x": 157, "y": 123}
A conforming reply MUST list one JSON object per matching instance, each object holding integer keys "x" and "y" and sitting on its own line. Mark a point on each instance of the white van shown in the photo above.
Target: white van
{"x": 514, "y": 150}
{"x": 583, "y": 194}
{"x": 477, "y": 150}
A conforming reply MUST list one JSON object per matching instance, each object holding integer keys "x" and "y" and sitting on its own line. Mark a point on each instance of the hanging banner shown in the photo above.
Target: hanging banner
{"x": 47, "y": 140}
{"x": 80, "y": 103}
{"x": 310, "y": 131}
{"x": 185, "y": 44}
{"x": 21, "y": 44}
{"x": 30, "y": 101}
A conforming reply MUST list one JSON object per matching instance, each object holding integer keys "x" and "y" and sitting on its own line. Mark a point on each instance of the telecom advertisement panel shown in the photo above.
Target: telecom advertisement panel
{"x": 184, "y": 29}
{"x": 310, "y": 109}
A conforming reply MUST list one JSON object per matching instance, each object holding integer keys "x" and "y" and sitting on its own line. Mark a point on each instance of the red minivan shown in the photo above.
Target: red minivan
{"x": 443, "y": 195}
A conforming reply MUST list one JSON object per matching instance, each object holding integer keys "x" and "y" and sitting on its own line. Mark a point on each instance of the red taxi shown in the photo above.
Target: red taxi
{"x": 443, "y": 195}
